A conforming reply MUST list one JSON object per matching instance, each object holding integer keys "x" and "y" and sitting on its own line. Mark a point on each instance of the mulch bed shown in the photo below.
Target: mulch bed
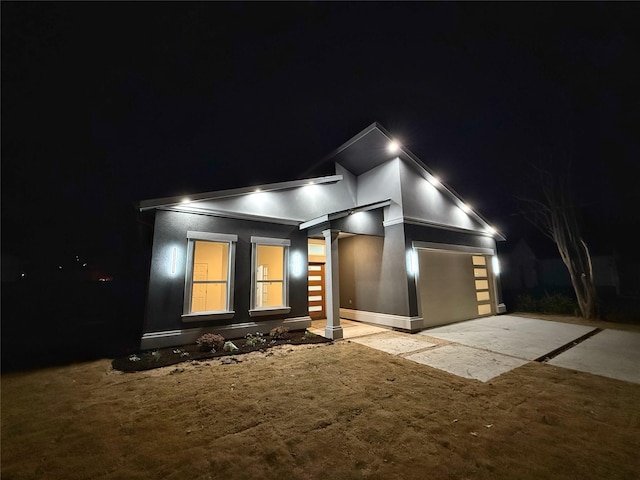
{"x": 164, "y": 357}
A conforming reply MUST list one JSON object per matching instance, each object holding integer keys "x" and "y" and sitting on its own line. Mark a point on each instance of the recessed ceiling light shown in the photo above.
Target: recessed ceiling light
{"x": 393, "y": 146}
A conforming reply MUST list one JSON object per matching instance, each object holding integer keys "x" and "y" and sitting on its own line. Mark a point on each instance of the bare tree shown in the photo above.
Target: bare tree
{"x": 555, "y": 214}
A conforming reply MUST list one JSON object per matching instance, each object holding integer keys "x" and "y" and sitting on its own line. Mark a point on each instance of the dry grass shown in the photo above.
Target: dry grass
{"x": 340, "y": 411}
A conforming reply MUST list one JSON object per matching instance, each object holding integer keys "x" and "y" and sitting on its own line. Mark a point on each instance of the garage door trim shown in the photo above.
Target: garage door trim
{"x": 454, "y": 248}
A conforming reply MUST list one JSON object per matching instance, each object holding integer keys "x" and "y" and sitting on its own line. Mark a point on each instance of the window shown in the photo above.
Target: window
{"x": 210, "y": 275}
{"x": 270, "y": 276}
{"x": 483, "y": 293}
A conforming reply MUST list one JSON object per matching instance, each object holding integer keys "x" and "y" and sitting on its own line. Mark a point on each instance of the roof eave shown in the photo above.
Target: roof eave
{"x": 200, "y": 197}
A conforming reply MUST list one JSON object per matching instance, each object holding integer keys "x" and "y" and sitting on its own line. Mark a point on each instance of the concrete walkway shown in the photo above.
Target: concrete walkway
{"x": 485, "y": 348}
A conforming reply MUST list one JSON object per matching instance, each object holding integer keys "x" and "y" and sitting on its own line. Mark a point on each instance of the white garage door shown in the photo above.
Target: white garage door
{"x": 453, "y": 286}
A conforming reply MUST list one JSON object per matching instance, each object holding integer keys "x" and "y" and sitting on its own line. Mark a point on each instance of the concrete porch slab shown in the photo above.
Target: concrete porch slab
{"x": 525, "y": 338}
{"x": 611, "y": 353}
{"x": 394, "y": 344}
{"x": 467, "y": 362}
{"x": 350, "y": 329}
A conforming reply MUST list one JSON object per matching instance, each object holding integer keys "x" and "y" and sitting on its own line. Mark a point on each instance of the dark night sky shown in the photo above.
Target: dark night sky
{"x": 106, "y": 104}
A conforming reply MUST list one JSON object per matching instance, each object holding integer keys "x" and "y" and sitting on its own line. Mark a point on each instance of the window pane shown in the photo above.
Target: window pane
{"x": 269, "y": 294}
{"x": 477, "y": 260}
{"x": 483, "y": 296}
{"x": 209, "y": 297}
{"x": 480, "y": 272}
{"x": 270, "y": 262}
{"x": 210, "y": 261}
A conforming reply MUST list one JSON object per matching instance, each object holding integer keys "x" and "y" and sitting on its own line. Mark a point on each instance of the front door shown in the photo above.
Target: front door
{"x": 316, "y": 291}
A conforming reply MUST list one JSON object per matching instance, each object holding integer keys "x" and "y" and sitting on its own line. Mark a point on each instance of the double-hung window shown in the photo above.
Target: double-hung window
{"x": 269, "y": 276}
{"x": 209, "y": 276}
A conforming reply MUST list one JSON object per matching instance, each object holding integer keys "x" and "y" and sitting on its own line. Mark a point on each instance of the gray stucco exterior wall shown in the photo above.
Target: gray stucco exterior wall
{"x": 373, "y": 275}
{"x": 166, "y": 290}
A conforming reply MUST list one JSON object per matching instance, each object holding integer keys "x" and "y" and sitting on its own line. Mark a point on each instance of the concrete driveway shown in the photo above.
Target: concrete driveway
{"x": 485, "y": 348}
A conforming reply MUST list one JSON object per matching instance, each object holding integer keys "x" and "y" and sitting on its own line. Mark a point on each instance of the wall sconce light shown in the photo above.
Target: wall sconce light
{"x": 174, "y": 260}
{"x": 412, "y": 262}
{"x": 495, "y": 263}
{"x": 296, "y": 264}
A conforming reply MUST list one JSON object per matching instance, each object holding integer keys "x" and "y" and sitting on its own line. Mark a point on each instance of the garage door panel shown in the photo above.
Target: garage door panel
{"x": 448, "y": 287}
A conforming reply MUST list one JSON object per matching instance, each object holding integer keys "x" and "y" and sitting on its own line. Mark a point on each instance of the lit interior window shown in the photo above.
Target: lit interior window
{"x": 210, "y": 276}
{"x": 269, "y": 276}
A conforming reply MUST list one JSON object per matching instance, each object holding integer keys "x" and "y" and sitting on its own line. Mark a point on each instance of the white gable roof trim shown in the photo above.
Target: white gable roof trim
{"x": 410, "y": 158}
{"x": 234, "y": 192}
{"x": 229, "y": 214}
{"x": 343, "y": 213}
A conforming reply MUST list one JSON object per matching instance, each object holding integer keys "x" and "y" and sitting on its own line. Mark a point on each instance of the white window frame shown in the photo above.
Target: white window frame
{"x": 277, "y": 242}
{"x": 228, "y": 312}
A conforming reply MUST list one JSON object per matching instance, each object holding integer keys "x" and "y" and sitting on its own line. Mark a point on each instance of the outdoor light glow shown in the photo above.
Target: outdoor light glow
{"x": 186, "y": 200}
{"x": 412, "y": 262}
{"x": 495, "y": 263}
{"x": 465, "y": 208}
{"x": 491, "y": 230}
{"x": 174, "y": 260}
{"x": 435, "y": 181}
{"x": 257, "y": 190}
{"x": 296, "y": 264}
{"x": 393, "y": 147}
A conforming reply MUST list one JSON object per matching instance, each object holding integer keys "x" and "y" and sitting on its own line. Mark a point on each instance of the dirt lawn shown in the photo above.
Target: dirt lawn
{"x": 332, "y": 411}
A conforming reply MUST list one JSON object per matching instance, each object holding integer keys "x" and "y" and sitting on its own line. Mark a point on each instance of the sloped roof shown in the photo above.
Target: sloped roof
{"x": 370, "y": 148}
{"x": 365, "y": 151}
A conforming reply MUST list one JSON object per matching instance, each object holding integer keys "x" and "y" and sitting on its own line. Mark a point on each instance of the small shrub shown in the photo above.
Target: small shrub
{"x": 558, "y": 304}
{"x": 156, "y": 355}
{"x": 229, "y": 347}
{"x": 526, "y": 303}
{"x": 210, "y": 341}
{"x": 253, "y": 341}
{"x": 279, "y": 333}
{"x": 134, "y": 358}
{"x": 308, "y": 335}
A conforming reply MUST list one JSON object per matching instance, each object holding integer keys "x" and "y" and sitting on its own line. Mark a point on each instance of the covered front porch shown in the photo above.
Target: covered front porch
{"x": 350, "y": 328}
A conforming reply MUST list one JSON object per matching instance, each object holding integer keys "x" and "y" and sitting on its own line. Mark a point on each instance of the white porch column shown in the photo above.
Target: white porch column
{"x": 333, "y": 329}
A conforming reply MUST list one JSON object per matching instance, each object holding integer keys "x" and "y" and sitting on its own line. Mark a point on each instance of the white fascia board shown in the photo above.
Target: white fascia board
{"x": 450, "y": 192}
{"x": 234, "y": 192}
{"x": 234, "y": 215}
{"x": 453, "y": 228}
{"x": 343, "y": 213}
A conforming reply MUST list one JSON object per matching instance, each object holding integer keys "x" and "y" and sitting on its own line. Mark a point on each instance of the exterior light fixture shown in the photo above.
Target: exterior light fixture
{"x": 495, "y": 263}
{"x": 174, "y": 260}
{"x": 185, "y": 200}
{"x": 435, "y": 181}
{"x": 491, "y": 230}
{"x": 465, "y": 208}
{"x": 257, "y": 190}
{"x": 412, "y": 262}
{"x": 393, "y": 146}
{"x": 296, "y": 264}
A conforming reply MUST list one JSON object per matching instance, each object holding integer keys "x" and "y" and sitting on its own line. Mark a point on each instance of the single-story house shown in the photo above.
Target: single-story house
{"x": 377, "y": 238}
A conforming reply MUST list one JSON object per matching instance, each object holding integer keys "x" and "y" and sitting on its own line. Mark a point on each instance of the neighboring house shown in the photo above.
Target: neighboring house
{"x": 376, "y": 239}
